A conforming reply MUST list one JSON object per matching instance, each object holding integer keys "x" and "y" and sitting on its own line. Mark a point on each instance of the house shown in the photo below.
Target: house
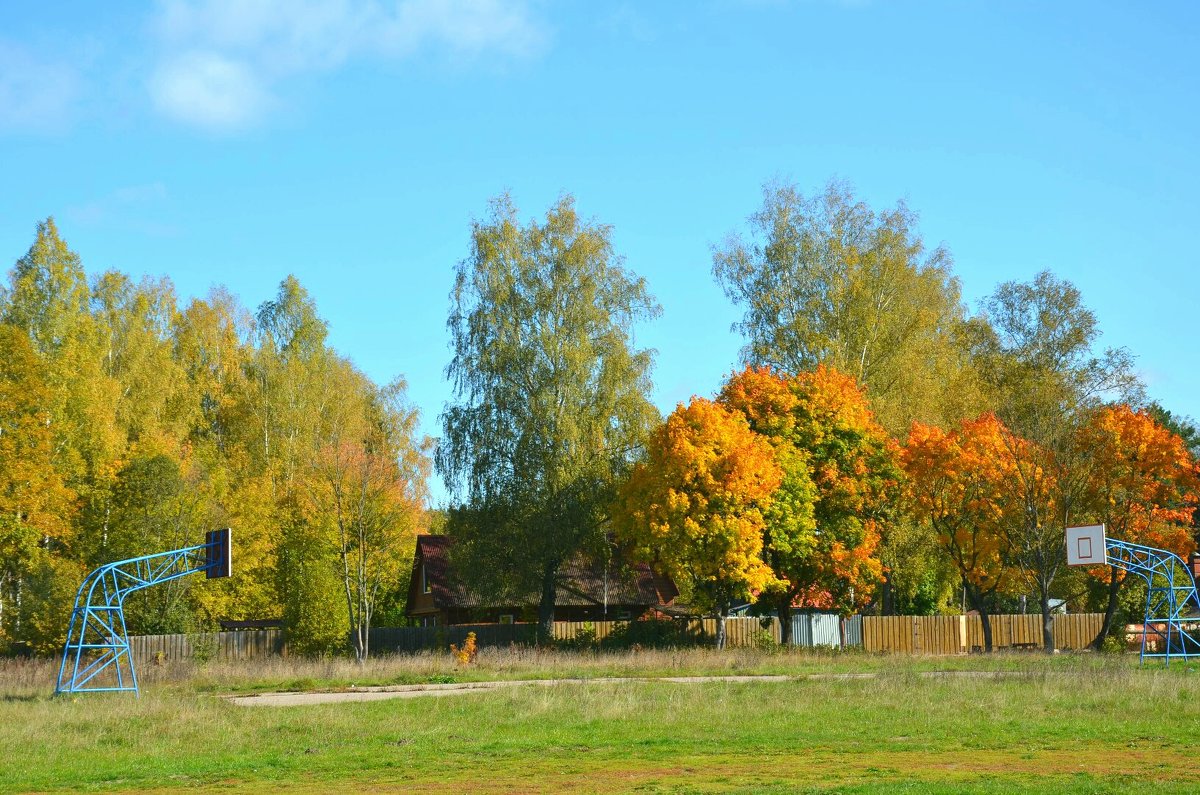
{"x": 588, "y": 590}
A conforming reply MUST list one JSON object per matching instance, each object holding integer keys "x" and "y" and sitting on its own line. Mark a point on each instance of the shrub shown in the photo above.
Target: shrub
{"x": 204, "y": 646}
{"x": 585, "y": 638}
{"x": 466, "y": 655}
{"x": 652, "y": 634}
{"x": 1114, "y": 644}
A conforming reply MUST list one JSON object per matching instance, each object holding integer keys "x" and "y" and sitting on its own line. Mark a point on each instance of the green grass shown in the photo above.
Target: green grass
{"x": 1087, "y": 723}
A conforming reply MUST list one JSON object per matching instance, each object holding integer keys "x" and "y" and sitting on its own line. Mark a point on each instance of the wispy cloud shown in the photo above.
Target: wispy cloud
{"x": 36, "y": 94}
{"x": 224, "y": 59}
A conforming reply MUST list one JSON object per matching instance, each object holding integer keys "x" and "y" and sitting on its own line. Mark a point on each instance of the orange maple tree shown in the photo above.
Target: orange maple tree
{"x": 854, "y": 465}
{"x": 961, "y": 481}
{"x": 823, "y": 523}
{"x": 694, "y": 506}
{"x": 1141, "y": 483}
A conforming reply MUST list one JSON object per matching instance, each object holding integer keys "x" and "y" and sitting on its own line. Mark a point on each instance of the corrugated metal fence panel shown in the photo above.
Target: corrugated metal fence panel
{"x": 801, "y": 630}
{"x": 852, "y": 631}
{"x": 826, "y": 629}
{"x": 816, "y": 629}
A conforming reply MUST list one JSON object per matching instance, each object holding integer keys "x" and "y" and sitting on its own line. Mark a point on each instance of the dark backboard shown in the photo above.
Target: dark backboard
{"x": 218, "y": 556}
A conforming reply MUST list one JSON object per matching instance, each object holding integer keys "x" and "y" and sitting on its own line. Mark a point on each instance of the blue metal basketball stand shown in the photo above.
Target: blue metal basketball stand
{"x": 97, "y": 656}
{"x": 1171, "y": 599}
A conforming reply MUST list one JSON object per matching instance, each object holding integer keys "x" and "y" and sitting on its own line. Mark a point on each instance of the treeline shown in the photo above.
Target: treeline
{"x": 885, "y": 449}
{"x": 130, "y": 424}
{"x": 880, "y": 447}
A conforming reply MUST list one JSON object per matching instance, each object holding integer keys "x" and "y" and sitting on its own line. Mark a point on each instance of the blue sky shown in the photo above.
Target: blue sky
{"x": 351, "y": 143}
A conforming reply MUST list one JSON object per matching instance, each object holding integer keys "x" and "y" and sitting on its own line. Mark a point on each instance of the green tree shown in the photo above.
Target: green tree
{"x": 827, "y": 280}
{"x": 550, "y": 395}
{"x": 367, "y": 490}
{"x": 155, "y": 509}
{"x": 296, "y": 385}
{"x": 310, "y": 584}
{"x": 1036, "y": 351}
{"x": 48, "y": 292}
{"x": 1037, "y": 355}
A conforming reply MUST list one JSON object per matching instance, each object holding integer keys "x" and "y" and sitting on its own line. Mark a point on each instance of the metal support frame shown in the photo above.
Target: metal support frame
{"x": 97, "y": 655}
{"x": 1170, "y": 596}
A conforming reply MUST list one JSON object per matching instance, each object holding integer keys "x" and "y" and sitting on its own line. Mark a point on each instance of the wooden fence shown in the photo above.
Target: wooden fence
{"x": 738, "y": 631}
{"x": 961, "y": 634}
{"x": 243, "y": 644}
{"x": 897, "y": 634}
{"x": 239, "y": 645}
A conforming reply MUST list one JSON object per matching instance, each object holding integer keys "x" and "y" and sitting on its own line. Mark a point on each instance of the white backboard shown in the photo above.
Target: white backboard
{"x": 1085, "y": 545}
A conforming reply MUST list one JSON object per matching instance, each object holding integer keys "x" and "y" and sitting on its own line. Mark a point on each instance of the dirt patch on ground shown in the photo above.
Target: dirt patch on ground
{"x": 298, "y": 699}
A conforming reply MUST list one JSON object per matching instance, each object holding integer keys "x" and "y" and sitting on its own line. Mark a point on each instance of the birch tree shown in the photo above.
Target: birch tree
{"x": 825, "y": 279}
{"x": 550, "y": 397}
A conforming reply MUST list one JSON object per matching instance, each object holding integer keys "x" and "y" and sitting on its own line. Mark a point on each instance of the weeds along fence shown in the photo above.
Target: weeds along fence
{"x": 738, "y": 632}
{"x": 244, "y": 644}
{"x": 894, "y": 634}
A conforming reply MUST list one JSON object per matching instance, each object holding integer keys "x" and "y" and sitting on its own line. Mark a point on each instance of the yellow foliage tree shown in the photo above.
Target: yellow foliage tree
{"x": 694, "y": 506}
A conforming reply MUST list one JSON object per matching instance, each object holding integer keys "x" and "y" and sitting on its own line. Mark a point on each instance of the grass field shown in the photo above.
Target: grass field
{"x": 1087, "y": 723}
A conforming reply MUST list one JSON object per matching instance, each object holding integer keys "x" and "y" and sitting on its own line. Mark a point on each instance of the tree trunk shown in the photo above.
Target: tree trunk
{"x": 545, "y": 630}
{"x": 722, "y": 614}
{"x": 1047, "y": 621}
{"x": 977, "y": 602}
{"x": 1110, "y": 610}
{"x": 986, "y": 622}
{"x": 785, "y": 620}
{"x": 887, "y": 596}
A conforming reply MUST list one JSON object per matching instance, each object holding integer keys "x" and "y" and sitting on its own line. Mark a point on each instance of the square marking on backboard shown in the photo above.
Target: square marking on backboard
{"x": 1085, "y": 545}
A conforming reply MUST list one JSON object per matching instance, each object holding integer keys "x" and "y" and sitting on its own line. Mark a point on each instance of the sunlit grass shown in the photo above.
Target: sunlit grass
{"x": 1083, "y": 723}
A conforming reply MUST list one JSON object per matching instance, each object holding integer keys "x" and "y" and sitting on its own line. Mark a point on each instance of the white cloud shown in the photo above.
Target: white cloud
{"x": 223, "y": 58}
{"x": 209, "y": 90}
{"x": 35, "y": 94}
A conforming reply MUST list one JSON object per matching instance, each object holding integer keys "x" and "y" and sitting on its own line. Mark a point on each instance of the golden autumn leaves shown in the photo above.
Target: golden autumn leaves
{"x": 781, "y": 489}
{"x": 695, "y": 505}
{"x": 772, "y": 491}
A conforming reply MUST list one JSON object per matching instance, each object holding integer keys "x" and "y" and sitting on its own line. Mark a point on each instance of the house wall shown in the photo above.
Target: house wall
{"x": 420, "y": 603}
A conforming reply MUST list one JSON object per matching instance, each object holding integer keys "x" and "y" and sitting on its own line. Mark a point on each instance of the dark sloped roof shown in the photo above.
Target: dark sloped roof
{"x": 583, "y": 581}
